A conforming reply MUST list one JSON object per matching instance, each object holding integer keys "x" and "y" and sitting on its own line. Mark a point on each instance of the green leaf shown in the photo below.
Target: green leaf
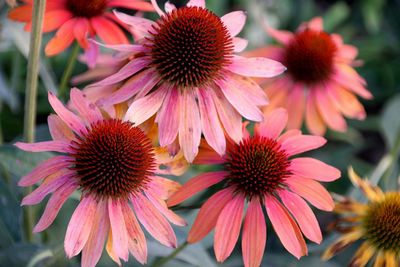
{"x": 18, "y": 255}
{"x": 336, "y": 15}
{"x": 390, "y": 121}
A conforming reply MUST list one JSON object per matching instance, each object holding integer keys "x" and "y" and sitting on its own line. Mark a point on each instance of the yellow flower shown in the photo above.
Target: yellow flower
{"x": 376, "y": 223}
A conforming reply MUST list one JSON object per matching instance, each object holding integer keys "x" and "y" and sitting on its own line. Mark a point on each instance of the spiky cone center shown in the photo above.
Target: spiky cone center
{"x": 86, "y": 8}
{"x": 382, "y": 223}
{"x": 114, "y": 159}
{"x": 190, "y": 46}
{"x": 309, "y": 57}
{"x": 257, "y": 166}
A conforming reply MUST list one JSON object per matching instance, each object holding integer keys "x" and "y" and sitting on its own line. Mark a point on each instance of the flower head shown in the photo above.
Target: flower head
{"x": 114, "y": 165}
{"x": 261, "y": 171}
{"x": 183, "y": 69}
{"x": 320, "y": 83}
{"x": 77, "y": 20}
{"x": 376, "y": 223}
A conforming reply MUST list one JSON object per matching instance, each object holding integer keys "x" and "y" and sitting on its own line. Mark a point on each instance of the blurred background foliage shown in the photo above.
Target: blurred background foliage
{"x": 371, "y": 146}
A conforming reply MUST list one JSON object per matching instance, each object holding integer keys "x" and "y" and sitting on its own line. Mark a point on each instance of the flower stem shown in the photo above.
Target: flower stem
{"x": 63, "y": 91}
{"x": 31, "y": 94}
{"x": 164, "y": 260}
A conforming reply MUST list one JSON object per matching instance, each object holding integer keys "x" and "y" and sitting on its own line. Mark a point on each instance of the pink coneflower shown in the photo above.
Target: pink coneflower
{"x": 260, "y": 171}
{"x": 320, "y": 83}
{"x": 183, "y": 69}
{"x": 79, "y": 19}
{"x": 114, "y": 166}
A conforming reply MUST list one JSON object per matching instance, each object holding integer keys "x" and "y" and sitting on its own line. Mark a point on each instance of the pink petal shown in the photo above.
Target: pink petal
{"x": 229, "y": 117}
{"x": 284, "y": 37}
{"x": 141, "y": 81}
{"x": 79, "y": 226}
{"x": 234, "y": 22}
{"x": 228, "y": 228}
{"x": 195, "y": 185}
{"x": 81, "y": 31}
{"x": 143, "y": 108}
{"x": 212, "y": 129}
{"x": 49, "y": 185}
{"x": 54, "y": 205}
{"x": 208, "y": 215}
{"x": 139, "y": 25}
{"x": 288, "y": 134}
{"x": 303, "y": 214}
{"x": 296, "y": 106}
{"x": 302, "y": 143}
{"x": 58, "y": 129}
{"x": 239, "y": 44}
{"x": 286, "y": 229}
{"x": 207, "y": 155}
{"x": 73, "y": 121}
{"x": 346, "y": 102}
{"x": 329, "y": 112}
{"x": 118, "y": 228}
{"x": 46, "y": 168}
{"x": 316, "y": 24}
{"x": 256, "y": 67}
{"x": 108, "y": 31}
{"x": 164, "y": 187}
{"x": 254, "y": 235}
{"x": 189, "y": 125}
{"x": 168, "y": 118}
{"x": 239, "y": 100}
{"x": 126, "y": 71}
{"x": 199, "y": 3}
{"x": 162, "y": 207}
{"x": 312, "y": 191}
{"x": 169, "y": 7}
{"x": 56, "y": 146}
{"x": 152, "y": 220}
{"x": 314, "y": 121}
{"x": 273, "y": 124}
{"x": 93, "y": 249}
{"x": 349, "y": 78}
{"x": 55, "y": 19}
{"x": 138, "y": 5}
{"x": 86, "y": 109}
{"x": 314, "y": 169}
{"x": 136, "y": 239}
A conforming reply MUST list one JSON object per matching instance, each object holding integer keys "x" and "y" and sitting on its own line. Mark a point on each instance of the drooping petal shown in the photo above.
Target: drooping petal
{"x": 314, "y": 169}
{"x": 81, "y": 30}
{"x": 312, "y": 191}
{"x": 230, "y": 118}
{"x": 329, "y": 112}
{"x": 54, "y": 205}
{"x": 73, "y": 121}
{"x": 79, "y": 226}
{"x": 301, "y": 143}
{"x": 195, "y": 185}
{"x": 210, "y": 124}
{"x": 153, "y": 221}
{"x": 228, "y": 227}
{"x": 286, "y": 229}
{"x": 110, "y": 249}
{"x": 162, "y": 207}
{"x": 189, "y": 125}
{"x": 273, "y": 124}
{"x": 256, "y": 66}
{"x": 118, "y": 228}
{"x": 346, "y": 102}
{"x": 296, "y": 106}
{"x": 58, "y": 129}
{"x": 88, "y": 110}
{"x": 56, "y": 146}
{"x": 46, "y": 168}
{"x": 139, "y": 25}
{"x": 314, "y": 121}
{"x": 93, "y": 249}
{"x": 49, "y": 185}
{"x": 234, "y": 22}
{"x": 363, "y": 255}
{"x": 55, "y": 18}
{"x": 254, "y": 234}
{"x": 108, "y": 31}
{"x": 143, "y": 108}
{"x": 21, "y": 13}
{"x": 208, "y": 215}
{"x": 136, "y": 239}
{"x": 137, "y": 5}
{"x": 168, "y": 118}
{"x": 347, "y": 77}
{"x": 303, "y": 214}
{"x": 63, "y": 38}
{"x": 341, "y": 243}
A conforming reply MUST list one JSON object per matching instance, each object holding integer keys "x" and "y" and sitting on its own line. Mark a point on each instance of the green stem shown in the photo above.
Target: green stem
{"x": 31, "y": 94}
{"x": 164, "y": 260}
{"x": 63, "y": 91}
